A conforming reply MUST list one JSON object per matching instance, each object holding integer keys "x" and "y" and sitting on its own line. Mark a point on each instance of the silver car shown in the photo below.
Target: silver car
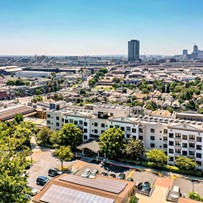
{"x": 86, "y": 173}
{"x": 93, "y": 173}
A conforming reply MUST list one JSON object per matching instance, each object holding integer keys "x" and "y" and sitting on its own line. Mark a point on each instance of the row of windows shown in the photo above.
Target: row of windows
{"x": 152, "y": 130}
{"x": 185, "y": 137}
{"x": 185, "y": 153}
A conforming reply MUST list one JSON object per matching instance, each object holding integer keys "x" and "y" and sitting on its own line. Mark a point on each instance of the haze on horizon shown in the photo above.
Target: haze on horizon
{"x": 89, "y": 27}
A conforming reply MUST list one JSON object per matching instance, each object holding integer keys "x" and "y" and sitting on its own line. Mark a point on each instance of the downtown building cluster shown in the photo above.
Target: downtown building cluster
{"x": 175, "y": 136}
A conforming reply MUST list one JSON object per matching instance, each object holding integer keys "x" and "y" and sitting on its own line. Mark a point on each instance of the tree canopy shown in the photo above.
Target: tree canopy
{"x": 68, "y": 135}
{"x": 185, "y": 163}
{"x": 157, "y": 156}
{"x": 134, "y": 149}
{"x": 112, "y": 142}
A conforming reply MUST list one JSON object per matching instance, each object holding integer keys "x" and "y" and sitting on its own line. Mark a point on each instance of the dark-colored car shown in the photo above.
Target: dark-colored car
{"x": 54, "y": 172}
{"x": 42, "y": 180}
{"x": 130, "y": 179}
{"x": 145, "y": 187}
{"x": 121, "y": 176}
{"x": 112, "y": 175}
{"x": 104, "y": 174}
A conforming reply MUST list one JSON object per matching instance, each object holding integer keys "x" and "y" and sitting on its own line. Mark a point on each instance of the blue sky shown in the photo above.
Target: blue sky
{"x": 99, "y": 27}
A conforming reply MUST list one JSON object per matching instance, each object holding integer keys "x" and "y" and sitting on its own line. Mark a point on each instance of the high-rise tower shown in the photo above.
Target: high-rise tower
{"x": 133, "y": 50}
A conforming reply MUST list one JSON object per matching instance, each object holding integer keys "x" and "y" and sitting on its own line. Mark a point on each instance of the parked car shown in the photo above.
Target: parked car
{"x": 33, "y": 191}
{"x": 130, "y": 179}
{"x": 121, "y": 176}
{"x": 145, "y": 187}
{"x": 112, "y": 175}
{"x": 104, "y": 174}
{"x": 54, "y": 172}
{"x": 86, "y": 173}
{"x": 42, "y": 180}
{"x": 175, "y": 193}
{"x": 93, "y": 173}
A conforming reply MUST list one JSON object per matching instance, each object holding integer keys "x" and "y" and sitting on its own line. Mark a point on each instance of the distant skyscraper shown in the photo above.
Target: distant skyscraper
{"x": 195, "y": 52}
{"x": 185, "y": 52}
{"x": 133, "y": 50}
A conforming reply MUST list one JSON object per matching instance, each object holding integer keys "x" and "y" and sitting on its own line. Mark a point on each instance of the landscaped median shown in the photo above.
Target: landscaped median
{"x": 170, "y": 168}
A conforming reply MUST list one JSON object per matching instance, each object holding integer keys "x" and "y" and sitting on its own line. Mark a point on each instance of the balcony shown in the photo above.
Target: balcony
{"x": 191, "y": 140}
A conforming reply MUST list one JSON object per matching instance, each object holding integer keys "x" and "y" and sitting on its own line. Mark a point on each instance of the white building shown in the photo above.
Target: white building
{"x": 174, "y": 136}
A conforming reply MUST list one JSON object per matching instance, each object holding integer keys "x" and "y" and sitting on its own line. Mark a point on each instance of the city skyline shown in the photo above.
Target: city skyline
{"x": 93, "y": 28}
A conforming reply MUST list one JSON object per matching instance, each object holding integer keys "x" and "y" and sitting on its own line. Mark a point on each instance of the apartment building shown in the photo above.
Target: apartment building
{"x": 174, "y": 136}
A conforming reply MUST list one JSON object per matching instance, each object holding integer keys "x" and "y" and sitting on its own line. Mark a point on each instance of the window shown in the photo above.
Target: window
{"x": 192, "y": 137}
{"x": 48, "y": 116}
{"x": 171, "y": 158}
{"x": 184, "y": 137}
{"x": 85, "y": 123}
{"x": 85, "y": 130}
{"x": 191, "y": 153}
{"x": 80, "y": 122}
{"x": 102, "y": 125}
{"x": 177, "y": 143}
{"x": 171, "y": 135}
{"x": 140, "y": 137}
{"x": 102, "y": 131}
{"x": 152, "y": 137}
{"x": 199, "y": 139}
{"x": 152, "y": 130}
{"x": 66, "y": 120}
{"x": 178, "y": 135}
{"x": 171, "y": 143}
{"x": 133, "y": 130}
{"x": 184, "y": 145}
{"x": 128, "y": 136}
{"x": 198, "y": 155}
{"x": 184, "y": 153}
{"x": 95, "y": 124}
{"x": 85, "y": 137}
{"x": 117, "y": 126}
{"x": 48, "y": 122}
{"x": 177, "y": 151}
{"x": 199, "y": 147}
{"x": 62, "y": 119}
{"x": 160, "y": 138}
{"x": 95, "y": 131}
{"x": 165, "y": 131}
{"x": 57, "y": 124}
{"x": 171, "y": 151}
{"x": 191, "y": 145}
{"x": 140, "y": 130}
{"x": 122, "y": 128}
{"x": 76, "y": 122}
{"x": 71, "y": 120}
{"x": 152, "y": 145}
{"x": 57, "y": 118}
{"x": 165, "y": 138}
{"x": 111, "y": 126}
{"x": 128, "y": 128}
{"x": 164, "y": 145}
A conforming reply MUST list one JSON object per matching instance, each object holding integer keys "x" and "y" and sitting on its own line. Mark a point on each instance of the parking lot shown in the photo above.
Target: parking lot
{"x": 43, "y": 162}
{"x": 187, "y": 186}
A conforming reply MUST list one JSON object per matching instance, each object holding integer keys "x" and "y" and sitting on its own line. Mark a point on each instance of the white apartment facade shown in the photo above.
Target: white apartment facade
{"x": 175, "y": 137}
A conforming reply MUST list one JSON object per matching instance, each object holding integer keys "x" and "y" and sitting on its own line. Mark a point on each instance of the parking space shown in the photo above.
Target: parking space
{"x": 187, "y": 186}
{"x": 104, "y": 168}
{"x": 145, "y": 177}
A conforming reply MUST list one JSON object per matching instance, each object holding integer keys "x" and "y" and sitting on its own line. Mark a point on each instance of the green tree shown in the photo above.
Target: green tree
{"x": 195, "y": 196}
{"x": 112, "y": 142}
{"x": 151, "y": 105}
{"x": 38, "y": 92}
{"x": 134, "y": 149}
{"x": 68, "y": 135}
{"x": 133, "y": 199}
{"x": 44, "y": 135}
{"x": 64, "y": 153}
{"x": 185, "y": 163}
{"x": 157, "y": 156}
{"x": 201, "y": 110}
{"x": 13, "y": 178}
{"x": 18, "y": 118}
